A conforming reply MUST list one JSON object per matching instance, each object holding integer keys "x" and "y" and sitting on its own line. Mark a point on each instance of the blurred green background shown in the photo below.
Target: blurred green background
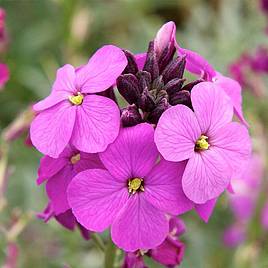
{"x": 45, "y": 34}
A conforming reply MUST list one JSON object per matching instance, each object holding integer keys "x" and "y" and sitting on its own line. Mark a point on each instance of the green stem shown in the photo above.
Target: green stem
{"x": 110, "y": 254}
{"x": 98, "y": 241}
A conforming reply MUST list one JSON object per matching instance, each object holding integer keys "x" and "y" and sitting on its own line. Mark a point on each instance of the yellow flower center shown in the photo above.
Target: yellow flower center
{"x": 75, "y": 158}
{"x": 76, "y": 99}
{"x": 202, "y": 143}
{"x": 134, "y": 185}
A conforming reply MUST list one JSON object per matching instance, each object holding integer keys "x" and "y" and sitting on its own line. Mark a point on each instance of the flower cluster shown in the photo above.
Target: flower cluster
{"x": 173, "y": 148}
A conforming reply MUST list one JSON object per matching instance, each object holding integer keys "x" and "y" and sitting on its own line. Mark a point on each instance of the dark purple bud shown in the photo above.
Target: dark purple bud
{"x": 174, "y": 69}
{"x": 166, "y": 56}
{"x": 128, "y": 87}
{"x": 174, "y": 86}
{"x": 130, "y": 116}
{"x": 181, "y": 97}
{"x": 158, "y": 83}
{"x": 160, "y": 95}
{"x": 189, "y": 86}
{"x": 146, "y": 101}
{"x": 151, "y": 64}
{"x": 144, "y": 80}
{"x": 132, "y": 66}
{"x": 157, "y": 112}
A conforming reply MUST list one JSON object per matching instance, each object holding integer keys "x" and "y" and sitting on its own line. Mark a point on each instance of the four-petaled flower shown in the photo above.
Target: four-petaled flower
{"x": 100, "y": 198}
{"x": 72, "y": 114}
{"x": 214, "y": 145}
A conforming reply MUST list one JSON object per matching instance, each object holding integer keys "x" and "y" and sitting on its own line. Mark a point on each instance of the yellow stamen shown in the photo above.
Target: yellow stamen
{"x": 134, "y": 185}
{"x": 75, "y": 158}
{"x": 76, "y": 99}
{"x": 202, "y": 143}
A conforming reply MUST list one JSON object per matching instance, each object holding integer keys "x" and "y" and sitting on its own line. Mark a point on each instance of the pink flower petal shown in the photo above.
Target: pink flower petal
{"x": 195, "y": 63}
{"x": 139, "y": 226}
{"x": 65, "y": 79}
{"x": 49, "y": 167}
{"x": 140, "y": 60}
{"x": 67, "y": 219}
{"x": 212, "y": 107}
{"x": 102, "y": 69}
{"x": 205, "y": 210}
{"x": 234, "y": 235}
{"x": 139, "y": 156}
{"x": 96, "y": 198}
{"x": 51, "y": 100}
{"x": 233, "y": 143}
{"x": 233, "y": 90}
{"x": 97, "y": 124}
{"x": 176, "y": 133}
{"x": 4, "y": 74}
{"x": 57, "y": 189}
{"x": 163, "y": 188}
{"x": 51, "y": 130}
{"x": 205, "y": 177}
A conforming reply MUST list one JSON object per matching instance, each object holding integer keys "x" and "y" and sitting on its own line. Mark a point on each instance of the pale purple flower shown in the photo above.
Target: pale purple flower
{"x": 165, "y": 41}
{"x": 234, "y": 235}
{"x": 66, "y": 219}
{"x": 246, "y": 188}
{"x": 73, "y": 114}
{"x": 133, "y": 195}
{"x": 59, "y": 172}
{"x": 215, "y": 146}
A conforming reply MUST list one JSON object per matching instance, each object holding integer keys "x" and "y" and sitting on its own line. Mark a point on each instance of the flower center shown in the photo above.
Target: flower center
{"x": 76, "y": 99}
{"x": 202, "y": 143}
{"x": 75, "y": 158}
{"x": 135, "y": 185}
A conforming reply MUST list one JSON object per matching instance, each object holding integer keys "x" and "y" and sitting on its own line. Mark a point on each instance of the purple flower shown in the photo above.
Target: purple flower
{"x": 4, "y": 75}
{"x": 73, "y": 114}
{"x": 59, "y": 172}
{"x": 234, "y": 235}
{"x": 246, "y": 188}
{"x": 214, "y": 146}
{"x": 133, "y": 194}
{"x": 66, "y": 219}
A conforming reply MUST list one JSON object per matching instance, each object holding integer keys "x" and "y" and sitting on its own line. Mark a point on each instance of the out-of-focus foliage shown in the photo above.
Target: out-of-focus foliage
{"x": 47, "y": 34}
